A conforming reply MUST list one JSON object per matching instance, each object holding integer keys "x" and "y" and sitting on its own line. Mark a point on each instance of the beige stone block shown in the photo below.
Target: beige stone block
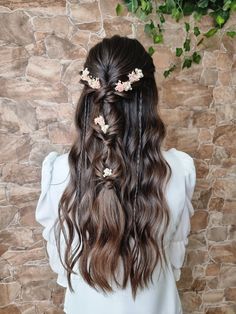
{"x": 60, "y": 133}
{"x": 230, "y": 294}
{"x": 223, "y": 253}
{"x": 199, "y": 220}
{"x": 58, "y": 25}
{"x": 226, "y": 78}
{"x": 71, "y": 76}
{"x": 213, "y": 297}
{"x": 176, "y": 93}
{"x": 209, "y": 59}
{"x": 216, "y": 203}
{"x": 21, "y": 195}
{"x": 23, "y": 90}
{"x": 225, "y": 113}
{"x": 224, "y": 187}
{"x": 28, "y": 273}
{"x": 21, "y": 257}
{"x": 223, "y": 94}
{"x": 197, "y": 240}
{"x": 15, "y": 28}
{"x": 209, "y": 77}
{"x": 85, "y": 12}
{"x": 191, "y": 301}
{"x": 43, "y": 69}
{"x": 59, "y": 48}
{"x": 13, "y": 61}
{"x": 176, "y": 117}
{"x": 196, "y": 257}
{"x": 227, "y": 277}
{"x": 224, "y": 61}
{"x": 217, "y": 234}
{"x": 212, "y": 269}
{"x": 199, "y": 284}
{"x": 117, "y": 25}
{"x": 205, "y": 151}
{"x": 185, "y": 139}
{"x": 13, "y": 309}
{"x": 9, "y": 292}
{"x": 81, "y": 38}
{"x": 17, "y": 116}
{"x": 15, "y": 148}
{"x": 36, "y": 290}
{"x": 17, "y": 238}
{"x": 7, "y": 215}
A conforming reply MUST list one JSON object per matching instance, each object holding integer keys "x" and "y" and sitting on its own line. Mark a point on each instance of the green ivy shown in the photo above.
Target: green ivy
{"x": 153, "y": 14}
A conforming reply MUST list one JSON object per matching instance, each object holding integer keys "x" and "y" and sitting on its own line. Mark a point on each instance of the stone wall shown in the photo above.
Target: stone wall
{"x": 43, "y": 44}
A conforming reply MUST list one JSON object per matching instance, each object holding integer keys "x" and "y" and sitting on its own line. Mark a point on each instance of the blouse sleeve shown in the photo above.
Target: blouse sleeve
{"x": 179, "y": 241}
{"x": 46, "y": 215}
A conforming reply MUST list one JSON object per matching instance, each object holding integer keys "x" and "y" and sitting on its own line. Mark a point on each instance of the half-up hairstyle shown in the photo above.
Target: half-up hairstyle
{"x": 118, "y": 218}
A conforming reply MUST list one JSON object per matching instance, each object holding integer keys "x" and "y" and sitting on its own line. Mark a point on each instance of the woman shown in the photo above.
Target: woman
{"x": 116, "y": 209}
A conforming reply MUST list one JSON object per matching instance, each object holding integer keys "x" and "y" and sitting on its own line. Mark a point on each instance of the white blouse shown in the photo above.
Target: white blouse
{"x": 162, "y": 296}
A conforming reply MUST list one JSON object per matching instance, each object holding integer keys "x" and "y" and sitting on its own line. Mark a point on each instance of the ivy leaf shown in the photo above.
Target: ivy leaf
{"x": 226, "y": 5}
{"x": 119, "y": 9}
{"x": 203, "y": 3}
{"x": 197, "y": 16}
{"x": 176, "y": 14}
{"x": 151, "y": 51}
{"x": 167, "y": 72}
{"x": 220, "y": 20}
{"x": 196, "y": 57}
{"x": 178, "y": 52}
{"x": 158, "y": 38}
{"x": 187, "y": 44}
{"x": 233, "y": 5}
{"x": 163, "y": 9}
{"x": 162, "y": 18}
{"x": 196, "y": 31}
{"x": 211, "y": 32}
{"x": 170, "y": 4}
{"x": 187, "y": 63}
{"x": 132, "y": 5}
{"x": 188, "y": 8}
{"x": 187, "y": 26}
{"x": 231, "y": 34}
{"x": 149, "y": 28}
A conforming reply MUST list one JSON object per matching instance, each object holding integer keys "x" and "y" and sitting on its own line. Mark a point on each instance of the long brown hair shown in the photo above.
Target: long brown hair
{"x": 108, "y": 213}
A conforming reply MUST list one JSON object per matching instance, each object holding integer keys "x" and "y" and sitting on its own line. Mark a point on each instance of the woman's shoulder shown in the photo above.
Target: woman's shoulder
{"x": 56, "y": 166}
{"x": 180, "y": 160}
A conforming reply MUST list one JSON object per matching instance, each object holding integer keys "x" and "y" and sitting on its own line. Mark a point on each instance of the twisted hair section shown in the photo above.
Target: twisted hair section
{"x": 118, "y": 220}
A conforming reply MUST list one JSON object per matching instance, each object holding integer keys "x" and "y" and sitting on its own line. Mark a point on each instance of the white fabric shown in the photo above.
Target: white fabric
{"x": 161, "y": 297}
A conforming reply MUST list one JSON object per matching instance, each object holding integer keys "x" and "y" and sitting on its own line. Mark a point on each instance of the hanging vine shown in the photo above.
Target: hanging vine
{"x": 153, "y": 13}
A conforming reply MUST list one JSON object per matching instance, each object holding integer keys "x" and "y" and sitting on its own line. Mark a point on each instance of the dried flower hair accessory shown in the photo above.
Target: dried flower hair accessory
{"x": 134, "y": 76}
{"x": 100, "y": 120}
{"x": 107, "y": 172}
{"x": 93, "y": 82}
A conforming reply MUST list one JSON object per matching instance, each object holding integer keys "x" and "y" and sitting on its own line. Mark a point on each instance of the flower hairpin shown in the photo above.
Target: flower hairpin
{"x": 107, "y": 172}
{"x": 100, "y": 120}
{"x": 93, "y": 82}
{"x": 134, "y": 76}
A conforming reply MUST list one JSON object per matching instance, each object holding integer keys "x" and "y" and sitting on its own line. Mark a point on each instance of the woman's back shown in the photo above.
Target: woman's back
{"x": 161, "y": 296}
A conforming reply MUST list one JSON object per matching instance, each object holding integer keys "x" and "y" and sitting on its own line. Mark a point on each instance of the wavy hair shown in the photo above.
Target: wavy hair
{"x": 116, "y": 218}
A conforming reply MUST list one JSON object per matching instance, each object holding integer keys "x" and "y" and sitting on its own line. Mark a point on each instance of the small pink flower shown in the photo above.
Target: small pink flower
{"x": 100, "y": 120}
{"x": 119, "y": 86}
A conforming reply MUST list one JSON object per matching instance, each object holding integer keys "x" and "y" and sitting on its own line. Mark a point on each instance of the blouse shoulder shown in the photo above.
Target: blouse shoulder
{"x": 189, "y": 168}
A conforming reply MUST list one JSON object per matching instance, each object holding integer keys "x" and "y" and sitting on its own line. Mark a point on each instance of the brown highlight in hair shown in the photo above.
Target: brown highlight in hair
{"x": 108, "y": 214}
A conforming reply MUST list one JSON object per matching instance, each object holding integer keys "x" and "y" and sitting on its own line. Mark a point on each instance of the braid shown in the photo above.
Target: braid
{"x": 138, "y": 162}
{"x": 82, "y": 143}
